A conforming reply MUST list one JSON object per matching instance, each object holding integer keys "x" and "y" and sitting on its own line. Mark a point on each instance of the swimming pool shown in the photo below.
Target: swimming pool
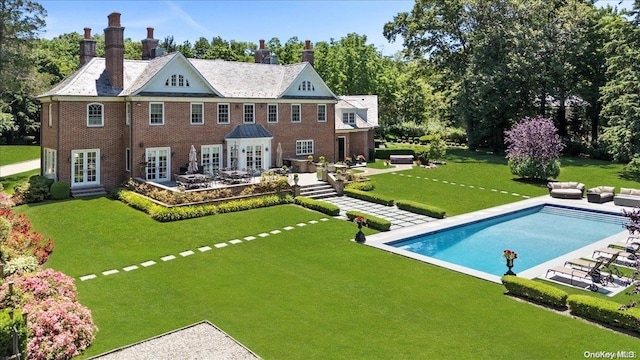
{"x": 538, "y": 234}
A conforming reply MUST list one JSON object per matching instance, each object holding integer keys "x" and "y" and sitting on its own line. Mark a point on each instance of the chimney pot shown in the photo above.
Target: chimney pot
{"x": 87, "y": 33}
{"x": 114, "y": 19}
{"x": 149, "y": 33}
{"x": 261, "y": 44}
{"x": 307, "y": 44}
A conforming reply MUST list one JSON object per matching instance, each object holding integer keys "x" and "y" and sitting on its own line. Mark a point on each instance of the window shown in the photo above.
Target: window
{"x": 156, "y": 113}
{"x": 249, "y": 114}
{"x": 50, "y": 163}
{"x": 50, "y": 113}
{"x": 295, "y": 113}
{"x": 128, "y": 114}
{"x": 177, "y": 80}
{"x": 272, "y": 113}
{"x": 197, "y": 114}
{"x": 322, "y": 112}
{"x": 210, "y": 158}
{"x": 223, "y": 113}
{"x": 349, "y": 118}
{"x": 127, "y": 159}
{"x": 306, "y": 86}
{"x": 304, "y": 147}
{"x": 94, "y": 115}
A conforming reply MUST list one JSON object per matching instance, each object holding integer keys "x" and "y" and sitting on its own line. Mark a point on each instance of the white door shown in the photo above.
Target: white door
{"x": 158, "y": 164}
{"x": 86, "y": 167}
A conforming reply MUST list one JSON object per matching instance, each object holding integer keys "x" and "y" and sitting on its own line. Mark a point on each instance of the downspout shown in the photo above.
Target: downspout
{"x": 57, "y": 140}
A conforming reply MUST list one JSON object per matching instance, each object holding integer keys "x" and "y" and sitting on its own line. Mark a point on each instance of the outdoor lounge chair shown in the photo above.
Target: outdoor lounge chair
{"x": 630, "y": 256}
{"x": 594, "y": 274}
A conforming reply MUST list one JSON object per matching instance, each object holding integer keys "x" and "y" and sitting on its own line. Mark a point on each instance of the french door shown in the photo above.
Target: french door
{"x": 158, "y": 164}
{"x": 86, "y": 167}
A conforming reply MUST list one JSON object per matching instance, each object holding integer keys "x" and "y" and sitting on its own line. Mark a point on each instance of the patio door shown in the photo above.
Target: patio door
{"x": 86, "y": 167}
{"x": 158, "y": 164}
{"x": 211, "y": 158}
{"x": 341, "y": 148}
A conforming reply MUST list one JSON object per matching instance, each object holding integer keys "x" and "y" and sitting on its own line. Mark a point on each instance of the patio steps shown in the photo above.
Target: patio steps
{"x": 86, "y": 191}
{"x": 318, "y": 191}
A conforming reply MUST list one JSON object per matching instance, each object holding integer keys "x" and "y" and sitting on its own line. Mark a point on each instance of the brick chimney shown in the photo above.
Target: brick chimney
{"x": 114, "y": 50}
{"x": 262, "y": 55}
{"x": 307, "y": 53}
{"x": 87, "y": 47}
{"x": 149, "y": 45}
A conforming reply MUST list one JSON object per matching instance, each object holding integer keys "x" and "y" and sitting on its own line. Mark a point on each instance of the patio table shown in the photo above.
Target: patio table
{"x": 194, "y": 180}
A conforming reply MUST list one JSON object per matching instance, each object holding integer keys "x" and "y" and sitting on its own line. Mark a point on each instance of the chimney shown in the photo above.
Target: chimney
{"x": 114, "y": 50}
{"x": 262, "y": 55}
{"x": 307, "y": 53}
{"x": 87, "y": 47}
{"x": 149, "y": 45}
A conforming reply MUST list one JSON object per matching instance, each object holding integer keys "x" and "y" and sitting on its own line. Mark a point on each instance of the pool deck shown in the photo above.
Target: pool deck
{"x": 380, "y": 240}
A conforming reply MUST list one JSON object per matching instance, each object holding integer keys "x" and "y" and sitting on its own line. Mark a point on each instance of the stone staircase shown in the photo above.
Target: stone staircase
{"x": 86, "y": 191}
{"x": 318, "y": 191}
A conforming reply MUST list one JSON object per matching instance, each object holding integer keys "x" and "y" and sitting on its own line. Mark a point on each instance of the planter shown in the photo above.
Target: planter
{"x": 320, "y": 173}
{"x": 510, "y": 265}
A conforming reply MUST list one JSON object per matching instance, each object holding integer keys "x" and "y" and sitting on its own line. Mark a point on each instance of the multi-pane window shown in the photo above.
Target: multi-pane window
{"x": 272, "y": 113}
{"x": 95, "y": 116}
{"x": 322, "y": 112}
{"x": 295, "y": 112}
{"x": 50, "y": 114}
{"x": 210, "y": 158}
{"x": 197, "y": 113}
{"x": 127, "y": 159}
{"x": 304, "y": 147}
{"x": 349, "y": 118}
{"x": 223, "y": 113}
{"x": 306, "y": 86}
{"x": 156, "y": 113}
{"x": 177, "y": 80}
{"x": 249, "y": 114}
{"x": 50, "y": 163}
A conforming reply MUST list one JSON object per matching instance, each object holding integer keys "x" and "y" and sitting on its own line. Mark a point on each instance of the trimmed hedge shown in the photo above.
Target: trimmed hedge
{"x": 536, "y": 291}
{"x": 419, "y": 208}
{"x": 373, "y": 222}
{"x": 360, "y": 185}
{"x": 59, "y": 190}
{"x": 318, "y": 205}
{"x": 385, "y": 153}
{"x": 363, "y": 195}
{"x": 605, "y": 311}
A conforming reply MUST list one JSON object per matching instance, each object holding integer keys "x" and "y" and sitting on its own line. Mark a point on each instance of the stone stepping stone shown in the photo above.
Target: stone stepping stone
{"x": 110, "y": 272}
{"x": 289, "y": 228}
{"x": 148, "y": 263}
{"x": 301, "y": 224}
{"x": 238, "y": 241}
{"x": 481, "y": 188}
{"x": 187, "y": 253}
{"x": 313, "y": 222}
{"x": 167, "y": 258}
{"x": 515, "y": 194}
{"x": 471, "y": 186}
{"x": 274, "y": 232}
{"x": 445, "y": 181}
{"x": 130, "y": 268}
{"x": 324, "y": 219}
{"x": 220, "y": 245}
{"x": 249, "y": 238}
{"x": 526, "y": 197}
{"x": 494, "y": 190}
{"x": 204, "y": 248}
{"x": 263, "y": 235}
{"x": 87, "y": 277}
{"x": 503, "y": 192}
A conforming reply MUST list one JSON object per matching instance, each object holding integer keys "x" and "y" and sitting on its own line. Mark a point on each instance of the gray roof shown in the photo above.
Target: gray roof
{"x": 248, "y": 131}
{"x": 369, "y": 102}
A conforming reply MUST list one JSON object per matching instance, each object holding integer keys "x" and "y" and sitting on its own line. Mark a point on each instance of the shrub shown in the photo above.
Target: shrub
{"x": 536, "y": 291}
{"x": 456, "y": 135}
{"x": 363, "y": 195}
{"x": 373, "y": 222}
{"x": 23, "y": 241}
{"x": 254, "y": 203}
{"x": 23, "y": 263}
{"x": 360, "y": 185}
{"x": 605, "y": 311}
{"x": 631, "y": 171}
{"x": 37, "y": 286}
{"x": 318, "y": 205}
{"x": 533, "y": 148}
{"x": 5, "y": 229}
{"x": 8, "y": 319}
{"x": 419, "y": 208}
{"x": 59, "y": 190}
{"x": 34, "y": 190}
{"x": 5, "y": 201}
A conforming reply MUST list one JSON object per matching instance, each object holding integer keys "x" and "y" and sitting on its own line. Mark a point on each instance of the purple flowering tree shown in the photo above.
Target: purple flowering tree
{"x": 533, "y": 148}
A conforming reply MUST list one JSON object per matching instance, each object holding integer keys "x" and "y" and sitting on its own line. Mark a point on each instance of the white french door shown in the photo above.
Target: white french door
{"x": 86, "y": 167}
{"x": 158, "y": 163}
{"x": 211, "y": 158}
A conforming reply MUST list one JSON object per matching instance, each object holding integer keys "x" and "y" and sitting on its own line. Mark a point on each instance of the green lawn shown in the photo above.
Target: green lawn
{"x": 10, "y": 154}
{"x": 305, "y": 293}
{"x": 11, "y": 181}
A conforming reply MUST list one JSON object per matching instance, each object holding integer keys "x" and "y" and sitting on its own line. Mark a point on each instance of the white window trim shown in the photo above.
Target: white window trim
{"x": 156, "y": 103}
{"x": 349, "y": 120}
{"x": 299, "y": 113}
{"x": 272, "y": 122}
{"x": 253, "y": 114}
{"x": 101, "y": 115}
{"x": 325, "y": 112}
{"x": 50, "y": 159}
{"x": 50, "y": 114}
{"x": 127, "y": 159}
{"x": 191, "y": 113}
{"x": 305, "y": 152}
{"x": 228, "y": 113}
{"x": 127, "y": 110}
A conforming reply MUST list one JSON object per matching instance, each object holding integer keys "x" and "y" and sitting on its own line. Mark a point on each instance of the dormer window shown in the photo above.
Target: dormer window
{"x": 306, "y": 86}
{"x": 177, "y": 80}
{"x": 349, "y": 118}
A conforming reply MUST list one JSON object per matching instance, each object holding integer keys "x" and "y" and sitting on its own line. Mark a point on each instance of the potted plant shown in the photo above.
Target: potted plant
{"x": 296, "y": 178}
{"x": 509, "y": 255}
{"x": 339, "y": 175}
{"x": 310, "y": 158}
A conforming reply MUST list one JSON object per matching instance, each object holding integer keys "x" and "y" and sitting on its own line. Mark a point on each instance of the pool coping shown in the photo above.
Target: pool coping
{"x": 380, "y": 240}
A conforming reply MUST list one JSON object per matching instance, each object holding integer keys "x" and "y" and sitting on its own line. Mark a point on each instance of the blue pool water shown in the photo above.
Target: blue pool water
{"x": 537, "y": 234}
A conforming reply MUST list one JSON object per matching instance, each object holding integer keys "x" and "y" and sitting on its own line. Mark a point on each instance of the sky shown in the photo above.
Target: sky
{"x": 242, "y": 20}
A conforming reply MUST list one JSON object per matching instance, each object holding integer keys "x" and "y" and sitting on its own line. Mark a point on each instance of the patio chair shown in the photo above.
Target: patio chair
{"x": 630, "y": 256}
{"x": 594, "y": 274}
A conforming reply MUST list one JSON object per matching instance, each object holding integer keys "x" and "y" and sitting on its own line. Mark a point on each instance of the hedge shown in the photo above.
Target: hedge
{"x": 59, "y": 190}
{"x": 318, "y": 205}
{"x": 363, "y": 195}
{"x": 373, "y": 222}
{"x": 386, "y": 153}
{"x": 536, "y": 291}
{"x": 360, "y": 185}
{"x": 419, "y": 208}
{"x": 605, "y": 311}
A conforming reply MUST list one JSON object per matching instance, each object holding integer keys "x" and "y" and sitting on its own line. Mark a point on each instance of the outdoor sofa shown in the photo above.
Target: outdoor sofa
{"x": 627, "y": 197}
{"x": 566, "y": 189}
{"x": 601, "y": 194}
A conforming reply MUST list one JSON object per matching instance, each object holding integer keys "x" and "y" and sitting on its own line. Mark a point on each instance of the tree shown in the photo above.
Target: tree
{"x": 533, "y": 148}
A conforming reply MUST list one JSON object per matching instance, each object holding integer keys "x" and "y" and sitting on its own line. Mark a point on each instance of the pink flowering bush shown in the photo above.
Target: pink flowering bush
{"x": 58, "y": 329}
{"x": 22, "y": 240}
{"x": 533, "y": 148}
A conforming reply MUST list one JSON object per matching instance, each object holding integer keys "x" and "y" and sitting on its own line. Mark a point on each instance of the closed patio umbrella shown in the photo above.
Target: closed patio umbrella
{"x": 193, "y": 160}
{"x": 279, "y": 155}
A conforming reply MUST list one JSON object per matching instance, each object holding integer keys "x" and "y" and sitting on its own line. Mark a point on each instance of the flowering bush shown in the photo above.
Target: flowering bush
{"x": 25, "y": 263}
{"x": 5, "y": 200}
{"x": 22, "y": 240}
{"x": 509, "y": 254}
{"x": 58, "y": 329}
{"x": 38, "y": 286}
{"x": 533, "y": 148}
